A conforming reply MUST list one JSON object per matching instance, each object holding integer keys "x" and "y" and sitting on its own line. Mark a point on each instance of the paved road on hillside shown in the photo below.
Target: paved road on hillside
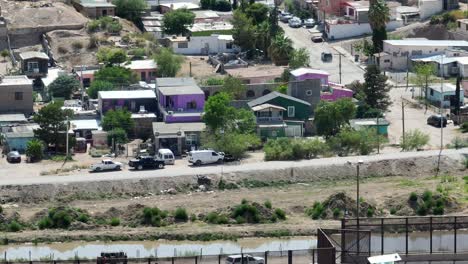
{"x": 301, "y": 38}
{"x": 9, "y": 177}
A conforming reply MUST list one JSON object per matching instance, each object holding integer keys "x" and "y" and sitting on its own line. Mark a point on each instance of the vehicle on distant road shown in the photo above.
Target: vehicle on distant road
{"x": 317, "y": 39}
{"x": 248, "y": 259}
{"x": 326, "y": 56}
{"x": 13, "y": 157}
{"x": 295, "y": 22}
{"x": 106, "y": 165}
{"x": 167, "y": 156}
{"x": 310, "y": 22}
{"x": 285, "y": 17}
{"x": 199, "y": 157}
{"x": 112, "y": 258}
{"x": 146, "y": 162}
{"x": 437, "y": 121}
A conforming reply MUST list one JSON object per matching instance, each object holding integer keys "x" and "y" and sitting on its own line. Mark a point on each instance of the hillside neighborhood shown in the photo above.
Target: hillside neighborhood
{"x": 237, "y": 96}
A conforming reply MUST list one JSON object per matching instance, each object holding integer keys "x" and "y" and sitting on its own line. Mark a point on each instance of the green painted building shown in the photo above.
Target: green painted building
{"x": 280, "y": 115}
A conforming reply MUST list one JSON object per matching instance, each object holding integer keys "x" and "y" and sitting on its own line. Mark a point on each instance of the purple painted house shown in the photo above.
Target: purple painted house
{"x": 336, "y": 92}
{"x": 180, "y": 100}
{"x": 302, "y": 74}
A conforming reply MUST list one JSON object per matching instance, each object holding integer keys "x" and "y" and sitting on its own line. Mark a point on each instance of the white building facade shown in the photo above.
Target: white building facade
{"x": 203, "y": 45}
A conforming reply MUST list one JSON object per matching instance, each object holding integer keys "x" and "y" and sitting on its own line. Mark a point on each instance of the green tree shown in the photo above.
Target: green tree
{"x": 280, "y": 50}
{"x": 51, "y": 121}
{"x": 234, "y": 87}
{"x": 263, "y": 37}
{"x": 331, "y": 117}
{"x": 64, "y": 86}
{"x": 231, "y": 142}
{"x": 243, "y": 30}
{"x": 115, "y": 119}
{"x": 117, "y": 136}
{"x": 361, "y": 142}
{"x": 257, "y": 12}
{"x": 424, "y": 75}
{"x": 375, "y": 89}
{"x": 379, "y": 16}
{"x": 299, "y": 58}
{"x": 116, "y": 75}
{"x": 283, "y": 88}
{"x": 205, "y": 4}
{"x": 130, "y": 9}
{"x": 111, "y": 56}
{"x": 168, "y": 63}
{"x": 97, "y": 86}
{"x": 414, "y": 140}
{"x": 176, "y": 22}
{"x": 34, "y": 149}
{"x": 4, "y": 53}
{"x": 244, "y": 122}
{"x": 218, "y": 112}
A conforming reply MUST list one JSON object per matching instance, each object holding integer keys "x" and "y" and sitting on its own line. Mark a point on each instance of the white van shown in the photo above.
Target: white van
{"x": 166, "y": 155}
{"x": 199, "y": 157}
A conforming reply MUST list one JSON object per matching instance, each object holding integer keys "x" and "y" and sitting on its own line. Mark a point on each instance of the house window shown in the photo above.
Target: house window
{"x": 386, "y": 61}
{"x": 18, "y": 96}
{"x": 466, "y": 27}
{"x": 33, "y": 66}
{"x": 191, "y": 139}
{"x": 432, "y": 92}
{"x": 132, "y": 105}
{"x": 250, "y": 94}
{"x": 229, "y": 45}
{"x": 192, "y": 105}
{"x": 459, "y": 24}
{"x": 274, "y": 133}
{"x": 309, "y": 92}
{"x": 182, "y": 45}
{"x": 291, "y": 111}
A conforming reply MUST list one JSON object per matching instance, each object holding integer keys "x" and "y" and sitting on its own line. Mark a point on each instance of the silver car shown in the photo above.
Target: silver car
{"x": 295, "y": 22}
{"x": 310, "y": 22}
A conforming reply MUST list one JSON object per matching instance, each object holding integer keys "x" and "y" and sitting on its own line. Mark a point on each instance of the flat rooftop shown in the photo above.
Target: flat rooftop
{"x": 13, "y": 118}
{"x": 302, "y": 71}
{"x": 257, "y": 71}
{"x": 138, "y": 94}
{"x": 198, "y": 27}
{"x": 140, "y": 65}
{"x": 180, "y": 90}
{"x": 33, "y": 55}
{"x": 177, "y": 81}
{"x": 427, "y": 42}
{"x": 16, "y": 80}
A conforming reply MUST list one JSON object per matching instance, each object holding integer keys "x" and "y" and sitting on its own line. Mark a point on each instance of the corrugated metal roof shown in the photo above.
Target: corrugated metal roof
{"x": 302, "y": 71}
{"x": 33, "y": 54}
{"x": 13, "y": 118}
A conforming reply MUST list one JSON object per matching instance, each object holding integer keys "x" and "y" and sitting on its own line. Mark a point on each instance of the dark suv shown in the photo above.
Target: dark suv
{"x": 146, "y": 162}
{"x": 437, "y": 121}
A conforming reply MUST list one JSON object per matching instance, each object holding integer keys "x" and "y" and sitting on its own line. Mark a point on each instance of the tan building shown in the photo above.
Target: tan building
{"x": 16, "y": 95}
{"x": 94, "y": 8}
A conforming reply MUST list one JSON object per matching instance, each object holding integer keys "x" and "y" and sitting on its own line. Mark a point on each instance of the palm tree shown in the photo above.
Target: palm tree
{"x": 262, "y": 37}
{"x": 379, "y": 16}
{"x": 280, "y": 49}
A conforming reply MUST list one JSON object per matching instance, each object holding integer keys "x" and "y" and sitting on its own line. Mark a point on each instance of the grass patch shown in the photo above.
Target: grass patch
{"x": 408, "y": 183}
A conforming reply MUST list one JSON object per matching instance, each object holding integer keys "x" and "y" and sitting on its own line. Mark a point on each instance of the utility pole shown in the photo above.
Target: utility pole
{"x": 66, "y": 139}
{"x": 403, "y": 117}
{"x": 440, "y": 113}
{"x": 407, "y": 71}
{"x": 340, "y": 65}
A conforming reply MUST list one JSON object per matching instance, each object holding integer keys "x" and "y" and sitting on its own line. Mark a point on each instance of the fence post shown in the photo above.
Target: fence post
{"x": 172, "y": 260}
{"x": 382, "y": 236}
{"x": 289, "y": 256}
{"x": 455, "y": 235}
{"x": 149, "y": 260}
{"x": 430, "y": 234}
{"x": 219, "y": 259}
{"x": 313, "y": 256}
{"x": 406, "y": 230}
{"x": 196, "y": 260}
{"x": 266, "y": 257}
{"x": 242, "y": 258}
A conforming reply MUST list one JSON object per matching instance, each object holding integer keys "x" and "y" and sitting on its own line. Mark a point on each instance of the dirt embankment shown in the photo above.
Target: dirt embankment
{"x": 291, "y": 173}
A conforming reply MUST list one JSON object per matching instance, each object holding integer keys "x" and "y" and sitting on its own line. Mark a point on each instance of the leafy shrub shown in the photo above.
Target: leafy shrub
{"x": 115, "y": 221}
{"x": 93, "y": 42}
{"x": 62, "y": 50}
{"x": 413, "y": 197}
{"x": 193, "y": 218}
{"x": 1, "y": 209}
{"x": 246, "y": 211}
{"x": 93, "y": 26}
{"x": 280, "y": 214}
{"x": 393, "y": 211}
{"x": 62, "y": 217}
{"x": 464, "y": 127}
{"x": 153, "y": 216}
{"x": 215, "y": 218}
{"x": 414, "y": 140}
{"x": 294, "y": 149}
{"x": 222, "y": 185}
{"x": 439, "y": 210}
{"x": 114, "y": 27}
{"x": 240, "y": 220}
{"x": 427, "y": 196}
{"x": 370, "y": 212}
{"x": 181, "y": 214}
{"x": 336, "y": 213}
{"x": 84, "y": 218}
{"x": 77, "y": 45}
{"x": 222, "y": 5}
{"x": 212, "y": 81}
{"x": 458, "y": 143}
{"x": 317, "y": 211}
{"x": 14, "y": 226}
{"x": 268, "y": 204}
{"x": 422, "y": 210}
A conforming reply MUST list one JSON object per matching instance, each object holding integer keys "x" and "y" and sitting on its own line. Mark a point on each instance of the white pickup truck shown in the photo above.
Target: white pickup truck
{"x": 248, "y": 259}
{"x": 106, "y": 165}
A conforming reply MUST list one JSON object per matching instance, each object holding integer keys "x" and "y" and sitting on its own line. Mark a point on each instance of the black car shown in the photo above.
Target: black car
{"x": 146, "y": 162}
{"x": 437, "y": 121}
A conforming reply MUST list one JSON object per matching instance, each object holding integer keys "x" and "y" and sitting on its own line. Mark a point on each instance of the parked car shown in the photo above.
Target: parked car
{"x": 310, "y": 22}
{"x": 199, "y": 157}
{"x": 167, "y": 156}
{"x": 13, "y": 157}
{"x": 248, "y": 259}
{"x": 437, "y": 121}
{"x": 112, "y": 258}
{"x": 285, "y": 17}
{"x": 295, "y": 22}
{"x": 326, "y": 56}
{"x": 228, "y": 157}
{"x": 106, "y": 165}
{"x": 317, "y": 39}
{"x": 146, "y": 162}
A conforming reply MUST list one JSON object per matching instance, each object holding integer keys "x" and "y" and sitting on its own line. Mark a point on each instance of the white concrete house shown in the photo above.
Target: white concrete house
{"x": 397, "y": 54}
{"x": 428, "y": 8}
{"x": 203, "y": 45}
